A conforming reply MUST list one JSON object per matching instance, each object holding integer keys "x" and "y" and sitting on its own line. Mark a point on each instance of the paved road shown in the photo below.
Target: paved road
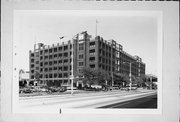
{"x": 52, "y": 104}
{"x": 145, "y": 102}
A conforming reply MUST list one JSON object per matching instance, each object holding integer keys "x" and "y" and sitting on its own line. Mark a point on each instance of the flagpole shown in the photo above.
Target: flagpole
{"x": 96, "y": 27}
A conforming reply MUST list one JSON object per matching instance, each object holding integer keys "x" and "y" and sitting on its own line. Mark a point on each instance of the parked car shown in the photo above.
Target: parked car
{"x": 96, "y": 86}
{"x": 107, "y": 88}
{"x": 27, "y": 90}
{"x": 62, "y": 89}
{"x": 21, "y": 90}
{"x": 115, "y": 87}
{"x": 133, "y": 87}
{"x": 43, "y": 89}
{"x": 53, "y": 89}
{"x": 69, "y": 88}
{"x": 86, "y": 88}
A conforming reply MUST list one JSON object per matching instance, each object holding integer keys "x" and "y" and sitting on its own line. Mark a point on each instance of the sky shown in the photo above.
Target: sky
{"x": 136, "y": 33}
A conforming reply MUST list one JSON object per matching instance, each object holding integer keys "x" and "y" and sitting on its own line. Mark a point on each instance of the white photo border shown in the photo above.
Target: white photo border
{"x": 170, "y": 54}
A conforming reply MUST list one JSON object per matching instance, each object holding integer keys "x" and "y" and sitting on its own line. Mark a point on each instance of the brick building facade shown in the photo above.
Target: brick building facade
{"x": 54, "y": 63}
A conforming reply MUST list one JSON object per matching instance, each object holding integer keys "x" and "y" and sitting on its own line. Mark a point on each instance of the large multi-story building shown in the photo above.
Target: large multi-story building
{"x": 54, "y": 63}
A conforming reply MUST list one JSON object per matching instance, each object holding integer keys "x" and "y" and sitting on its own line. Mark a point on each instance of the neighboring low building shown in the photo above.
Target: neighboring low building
{"x": 54, "y": 63}
{"x": 152, "y": 80}
{"x": 24, "y": 78}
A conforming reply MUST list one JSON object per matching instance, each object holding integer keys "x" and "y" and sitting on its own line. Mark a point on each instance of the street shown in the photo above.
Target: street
{"x": 145, "y": 102}
{"x": 111, "y": 99}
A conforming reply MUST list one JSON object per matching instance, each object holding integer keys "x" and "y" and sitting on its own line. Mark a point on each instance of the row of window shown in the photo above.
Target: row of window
{"x": 61, "y": 75}
{"x": 81, "y": 56}
{"x": 60, "y": 68}
{"x": 56, "y": 49}
{"x": 50, "y": 63}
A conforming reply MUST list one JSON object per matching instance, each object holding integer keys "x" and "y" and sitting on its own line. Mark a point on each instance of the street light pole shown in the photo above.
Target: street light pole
{"x": 130, "y": 76}
{"x": 72, "y": 63}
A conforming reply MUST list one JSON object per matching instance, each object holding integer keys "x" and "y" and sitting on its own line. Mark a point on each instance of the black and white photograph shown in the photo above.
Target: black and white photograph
{"x": 86, "y": 59}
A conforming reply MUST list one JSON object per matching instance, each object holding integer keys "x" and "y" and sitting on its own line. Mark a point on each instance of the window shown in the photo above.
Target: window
{"x": 117, "y": 54}
{"x": 92, "y": 52}
{"x": 60, "y": 48}
{"x": 46, "y": 69}
{"x": 41, "y": 70}
{"x": 103, "y": 67}
{"x": 81, "y": 63}
{"x": 60, "y": 61}
{"x": 65, "y": 54}
{"x": 41, "y": 58}
{"x": 103, "y": 45}
{"x": 65, "y": 68}
{"x": 100, "y": 51}
{"x": 81, "y": 46}
{"x": 60, "y": 75}
{"x": 55, "y": 49}
{"x": 66, "y": 61}
{"x": 81, "y": 56}
{"x": 92, "y": 66}
{"x": 50, "y": 69}
{"x": 50, "y": 50}
{"x": 46, "y": 63}
{"x": 60, "y": 55}
{"x": 37, "y": 62}
{"x": 65, "y": 75}
{"x": 55, "y": 68}
{"x": 32, "y": 54}
{"x": 65, "y": 47}
{"x": 103, "y": 60}
{"x": 50, "y": 63}
{"x": 50, "y": 57}
{"x": 92, "y": 59}
{"x": 46, "y": 57}
{"x": 32, "y": 65}
{"x": 100, "y": 59}
{"x": 41, "y": 64}
{"x": 55, "y": 56}
{"x": 55, "y": 75}
{"x": 65, "y": 81}
{"x": 60, "y": 68}
{"x": 41, "y": 52}
{"x": 92, "y": 44}
{"x": 32, "y": 60}
{"x": 50, "y": 75}
{"x": 37, "y": 54}
{"x": 55, "y": 62}
{"x": 46, "y": 76}
{"x": 100, "y": 44}
{"x": 103, "y": 53}
{"x": 46, "y": 51}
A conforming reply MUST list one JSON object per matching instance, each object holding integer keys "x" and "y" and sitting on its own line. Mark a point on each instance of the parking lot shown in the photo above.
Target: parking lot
{"x": 44, "y": 90}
